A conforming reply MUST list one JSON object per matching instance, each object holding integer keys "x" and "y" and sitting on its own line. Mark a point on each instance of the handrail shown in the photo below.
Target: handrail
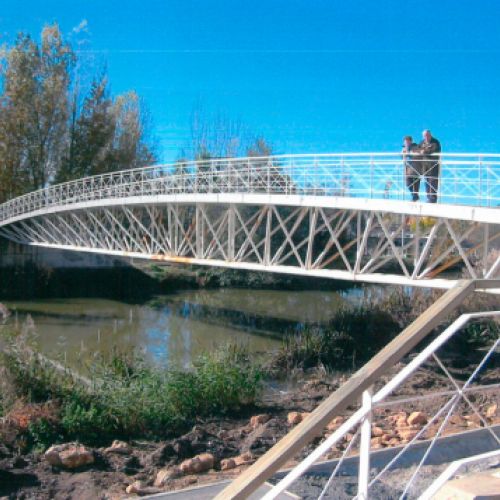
{"x": 465, "y": 178}
{"x": 351, "y": 391}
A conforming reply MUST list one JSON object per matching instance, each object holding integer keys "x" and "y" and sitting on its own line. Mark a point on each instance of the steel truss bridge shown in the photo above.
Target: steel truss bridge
{"x": 342, "y": 216}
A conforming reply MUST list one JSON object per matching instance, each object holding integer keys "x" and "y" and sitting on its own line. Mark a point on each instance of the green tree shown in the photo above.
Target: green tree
{"x": 34, "y": 110}
{"x": 46, "y": 135}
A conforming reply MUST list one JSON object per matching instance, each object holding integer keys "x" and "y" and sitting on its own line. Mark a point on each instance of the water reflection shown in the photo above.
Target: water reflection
{"x": 180, "y": 326}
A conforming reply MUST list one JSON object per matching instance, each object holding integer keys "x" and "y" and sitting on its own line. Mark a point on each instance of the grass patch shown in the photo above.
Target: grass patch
{"x": 350, "y": 339}
{"x": 127, "y": 397}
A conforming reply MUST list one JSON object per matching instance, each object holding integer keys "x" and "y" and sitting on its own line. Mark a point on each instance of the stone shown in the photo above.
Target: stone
{"x": 407, "y": 434}
{"x": 394, "y": 418}
{"x": 69, "y": 455}
{"x": 377, "y": 431}
{"x": 335, "y": 423}
{"x": 120, "y": 447}
{"x": 417, "y": 418}
{"x": 257, "y": 420}
{"x": 376, "y": 442}
{"x": 473, "y": 420}
{"x": 134, "y": 488}
{"x": 197, "y": 464}
{"x": 401, "y": 422}
{"x": 244, "y": 458}
{"x": 295, "y": 417}
{"x": 491, "y": 411}
{"x": 164, "y": 475}
{"x": 207, "y": 460}
{"x": 386, "y": 438}
{"x": 227, "y": 464}
{"x": 140, "y": 488}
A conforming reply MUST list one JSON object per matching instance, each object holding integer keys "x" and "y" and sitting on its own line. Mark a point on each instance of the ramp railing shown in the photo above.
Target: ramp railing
{"x": 361, "y": 386}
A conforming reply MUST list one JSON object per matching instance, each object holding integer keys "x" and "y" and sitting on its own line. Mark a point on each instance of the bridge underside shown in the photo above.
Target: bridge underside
{"x": 340, "y": 243}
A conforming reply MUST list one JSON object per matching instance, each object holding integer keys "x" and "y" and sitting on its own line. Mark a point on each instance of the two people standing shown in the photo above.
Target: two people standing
{"x": 422, "y": 160}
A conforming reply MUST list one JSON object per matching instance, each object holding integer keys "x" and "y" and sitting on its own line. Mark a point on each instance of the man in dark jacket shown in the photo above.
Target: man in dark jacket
{"x": 413, "y": 165}
{"x": 429, "y": 149}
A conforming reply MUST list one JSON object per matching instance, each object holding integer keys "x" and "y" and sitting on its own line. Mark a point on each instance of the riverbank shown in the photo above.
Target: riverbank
{"x": 213, "y": 432}
{"x": 213, "y": 449}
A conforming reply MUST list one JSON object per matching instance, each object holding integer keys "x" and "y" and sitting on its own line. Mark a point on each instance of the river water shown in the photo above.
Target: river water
{"x": 173, "y": 329}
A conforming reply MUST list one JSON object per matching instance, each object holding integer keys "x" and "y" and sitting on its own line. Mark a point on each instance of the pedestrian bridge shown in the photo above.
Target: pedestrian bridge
{"x": 341, "y": 216}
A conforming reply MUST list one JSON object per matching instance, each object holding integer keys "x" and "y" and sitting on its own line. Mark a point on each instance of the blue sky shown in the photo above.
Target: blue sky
{"x": 309, "y": 76}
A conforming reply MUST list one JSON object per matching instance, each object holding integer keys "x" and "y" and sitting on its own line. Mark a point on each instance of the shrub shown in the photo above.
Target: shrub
{"x": 350, "y": 339}
{"x": 130, "y": 398}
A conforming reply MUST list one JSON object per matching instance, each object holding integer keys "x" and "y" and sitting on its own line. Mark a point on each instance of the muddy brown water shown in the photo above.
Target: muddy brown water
{"x": 174, "y": 329}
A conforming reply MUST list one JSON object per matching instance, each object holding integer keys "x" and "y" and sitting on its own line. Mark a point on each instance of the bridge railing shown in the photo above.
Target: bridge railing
{"x": 466, "y": 179}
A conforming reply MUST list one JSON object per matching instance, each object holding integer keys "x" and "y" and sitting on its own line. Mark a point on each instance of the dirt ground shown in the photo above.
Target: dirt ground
{"x": 30, "y": 476}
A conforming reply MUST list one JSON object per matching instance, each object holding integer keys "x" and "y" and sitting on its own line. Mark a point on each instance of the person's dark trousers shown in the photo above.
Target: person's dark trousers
{"x": 431, "y": 181}
{"x": 413, "y": 183}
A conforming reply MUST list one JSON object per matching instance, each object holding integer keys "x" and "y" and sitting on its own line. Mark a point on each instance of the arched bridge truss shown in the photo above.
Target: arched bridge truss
{"x": 334, "y": 216}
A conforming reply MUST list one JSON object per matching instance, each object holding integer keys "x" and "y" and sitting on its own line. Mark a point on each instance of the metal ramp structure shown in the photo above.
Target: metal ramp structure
{"x": 364, "y": 390}
{"x": 335, "y": 216}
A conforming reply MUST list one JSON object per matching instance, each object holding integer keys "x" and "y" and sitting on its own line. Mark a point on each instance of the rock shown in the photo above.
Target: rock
{"x": 376, "y": 442}
{"x": 401, "y": 422}
{"x": 407, "y": 434}
{"x": 140, "y": 488}
{"x": 69, "y": 455}
{"x": 295, "y": 417}
{"x": 377, "y": 431}
{"x": 207, "y": 460}
{"x": 227, "y": 464}
{"x": 120, "y": 447}
{"x": 394, "y": 418}
{"x": 257, "y": 420}
{"x": 197, "y": 464}
{"x": 164, "y": 475}
{"x": 335, "y": 423}
{"x": 491, "y": 411}
{"x": 417, "y": 418}
{"x": 244, "y": 458}
{"x": 473, "y": 420}
{"x": 386, "y": 438}
{"x": 393, "y": 441}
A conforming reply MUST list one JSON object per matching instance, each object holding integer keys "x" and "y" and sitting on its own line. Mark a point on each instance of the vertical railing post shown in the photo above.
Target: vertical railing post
{"x": 268, "y": 190}
{"x": 480, "y": 181}
{"x": 249, "y": 181}
{"x": 371, "y": 176}
{"x": 364, "y": 447}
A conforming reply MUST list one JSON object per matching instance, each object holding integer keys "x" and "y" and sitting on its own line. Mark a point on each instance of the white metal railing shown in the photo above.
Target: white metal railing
{"x": 359, "y": 425}
{"x": 465, "y": 179}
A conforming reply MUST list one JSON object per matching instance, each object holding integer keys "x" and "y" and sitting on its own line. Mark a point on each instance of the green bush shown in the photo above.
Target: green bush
{"x": 350, "y": 339}
{"x": 130, "y": 398}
